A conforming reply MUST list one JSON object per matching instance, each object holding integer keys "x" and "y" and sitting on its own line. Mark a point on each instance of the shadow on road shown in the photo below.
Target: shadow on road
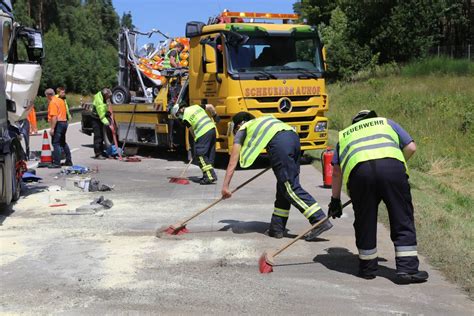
{"x": 242, "y": 227}
{"x": 342, "y": 260}
{"x": 5, "y": 212}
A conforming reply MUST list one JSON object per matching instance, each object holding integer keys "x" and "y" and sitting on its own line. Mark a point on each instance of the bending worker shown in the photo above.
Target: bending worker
{"x": 204, "y": 131}
{"x": 252, "y": 135}
{"x": 100, "y": 122}
{"x": 371, "y": 160}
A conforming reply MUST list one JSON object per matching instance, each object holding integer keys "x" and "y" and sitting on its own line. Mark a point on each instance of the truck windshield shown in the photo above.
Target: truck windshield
{"x": 277, "y": 54}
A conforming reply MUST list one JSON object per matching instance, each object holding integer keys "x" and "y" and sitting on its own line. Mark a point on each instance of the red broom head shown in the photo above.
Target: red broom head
{"x": 182, "y": 181}
{"x": 176, "y": 231}
{"x": 179, "y": 180}
{"x": 263, "y": 265}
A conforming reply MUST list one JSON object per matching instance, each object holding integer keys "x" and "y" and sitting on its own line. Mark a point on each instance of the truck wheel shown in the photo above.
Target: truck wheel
{"x": 16, "y": 185}
{"x": 120, "y": 95}
{"x": 6, "y": 180}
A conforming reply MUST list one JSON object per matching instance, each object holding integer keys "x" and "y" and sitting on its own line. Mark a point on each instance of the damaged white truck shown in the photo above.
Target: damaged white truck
{"x": 20, "y": 74}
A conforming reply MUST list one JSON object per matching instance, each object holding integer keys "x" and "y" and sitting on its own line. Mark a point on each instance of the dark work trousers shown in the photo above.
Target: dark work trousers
{"x": 59, "y": 142}
{"x": 205, "y": 153}
{"x": 383, "y": 180}
{"x": 284, "y": 152}
{"x": 100, "y": 131}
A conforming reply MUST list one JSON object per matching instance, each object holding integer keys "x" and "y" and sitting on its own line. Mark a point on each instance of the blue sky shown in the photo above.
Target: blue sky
{"x": 170, "y": 16}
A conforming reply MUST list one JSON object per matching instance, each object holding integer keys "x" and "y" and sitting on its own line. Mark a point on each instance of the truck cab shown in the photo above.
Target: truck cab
{"x": 274, "y": 69}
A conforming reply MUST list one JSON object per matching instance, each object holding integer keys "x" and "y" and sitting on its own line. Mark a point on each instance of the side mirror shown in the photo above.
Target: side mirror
{"x": 324, "y": 58}
{"x": 210, "y": 59}
{"x": 11, "y": 106}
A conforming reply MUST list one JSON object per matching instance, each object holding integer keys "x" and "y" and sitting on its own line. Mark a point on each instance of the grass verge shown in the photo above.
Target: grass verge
{"x": 437, "y": 110}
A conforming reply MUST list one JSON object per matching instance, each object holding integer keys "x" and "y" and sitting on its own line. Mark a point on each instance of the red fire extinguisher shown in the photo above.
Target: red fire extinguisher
{"x": 326, "y": 158}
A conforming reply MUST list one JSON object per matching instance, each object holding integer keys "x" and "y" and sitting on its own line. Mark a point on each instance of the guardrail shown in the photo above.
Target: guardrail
{"x": 44, "y": 114}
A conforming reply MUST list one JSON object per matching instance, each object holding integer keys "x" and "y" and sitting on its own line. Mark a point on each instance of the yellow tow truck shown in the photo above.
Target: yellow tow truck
{"x": 272, "y": 67}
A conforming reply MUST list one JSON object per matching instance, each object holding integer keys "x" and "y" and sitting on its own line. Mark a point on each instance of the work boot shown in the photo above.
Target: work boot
{"x": 416, "y": 277}
{"x": 274, "y": 234}
{"x": 366, "y": 275}
{"x": 68, "y": 164}
{"x": 313, "y": 235}
{"x": 206, "y": 181}
{"x": 99, "y": 157}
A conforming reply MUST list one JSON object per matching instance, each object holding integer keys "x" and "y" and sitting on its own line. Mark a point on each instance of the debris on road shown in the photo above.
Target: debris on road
{"x": 95, "y": 186}
{"x": 58, "y": 205}
{"x": 76, "y": 169}
{"x": 94, "y": 208}
{"x": 54, "y": 188}
{"x": 30, "y": 177}
{"x": 78, "y": 184}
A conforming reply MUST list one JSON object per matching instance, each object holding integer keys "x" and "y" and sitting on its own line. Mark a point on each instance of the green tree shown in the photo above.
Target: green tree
{"x": 80, "y": 40}
{"x": 126, "y": 20}
{"x": 344, "y": 55}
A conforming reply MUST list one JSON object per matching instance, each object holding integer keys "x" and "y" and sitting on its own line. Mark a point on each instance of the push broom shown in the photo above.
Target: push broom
{"x": 180, "y": 227}
{"x": 266, "y": 261}
{"x": 181, "y": 179}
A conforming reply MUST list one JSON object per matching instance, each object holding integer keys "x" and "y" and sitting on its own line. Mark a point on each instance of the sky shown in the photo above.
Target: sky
{"x": 170, "y": 16}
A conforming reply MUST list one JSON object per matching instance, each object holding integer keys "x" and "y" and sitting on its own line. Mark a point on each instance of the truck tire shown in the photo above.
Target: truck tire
{"x": 6, "y": 180}
{"x": 120, "y": 95}
{"x": 16, "y": 185}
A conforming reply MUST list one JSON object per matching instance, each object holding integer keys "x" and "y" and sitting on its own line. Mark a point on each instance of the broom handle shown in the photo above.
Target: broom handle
{"x": 218, "y": 200}
{"x": 185, "y": 169}
{"x": 305, "y": 232}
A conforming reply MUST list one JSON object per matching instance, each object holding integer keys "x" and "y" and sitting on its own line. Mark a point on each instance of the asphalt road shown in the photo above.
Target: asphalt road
{"x": 112, "y": 262}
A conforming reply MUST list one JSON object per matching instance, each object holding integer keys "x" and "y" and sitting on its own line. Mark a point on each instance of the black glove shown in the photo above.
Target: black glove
{"x": 335, "y": 208}
{"x": 217, "y": 118}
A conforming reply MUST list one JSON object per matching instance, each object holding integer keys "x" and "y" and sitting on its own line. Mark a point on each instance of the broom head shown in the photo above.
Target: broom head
{"x": 179, "y": 180}
{"x": 265, "y": 263}
{"x": 176, "y": 230}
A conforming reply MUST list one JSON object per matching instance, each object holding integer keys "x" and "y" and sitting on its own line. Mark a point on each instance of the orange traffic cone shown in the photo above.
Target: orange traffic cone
{"x": 46, "y": 159}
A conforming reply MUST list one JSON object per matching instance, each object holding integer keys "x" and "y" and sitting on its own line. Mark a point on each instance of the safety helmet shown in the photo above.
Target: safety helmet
{"x": 175, "y": 112}
{"x": 362, "y": 115}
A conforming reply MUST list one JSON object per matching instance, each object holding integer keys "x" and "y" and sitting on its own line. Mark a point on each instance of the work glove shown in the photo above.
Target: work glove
{"x": 335, "y": 208}
{"x": 105, "y": 121}
{"x": 217, "y": 118}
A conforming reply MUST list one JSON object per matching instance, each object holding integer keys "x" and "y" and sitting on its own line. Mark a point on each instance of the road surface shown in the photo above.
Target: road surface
{"x": 112, "y": 262}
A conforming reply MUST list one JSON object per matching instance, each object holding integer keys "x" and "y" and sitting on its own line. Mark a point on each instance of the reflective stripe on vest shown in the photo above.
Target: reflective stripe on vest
{"x": 200, "y": 122}
{"x": 166, "y": 61}
{"x": 367, "y": 140}
{"x": 260, "y": 132}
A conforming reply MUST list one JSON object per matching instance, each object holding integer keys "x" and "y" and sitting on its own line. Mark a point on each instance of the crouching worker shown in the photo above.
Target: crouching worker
{"x": 252, "y": 135}
{"x": 371, "y": 160}
{"x": 101, "y": 122}
{"x": 204, "y": 131}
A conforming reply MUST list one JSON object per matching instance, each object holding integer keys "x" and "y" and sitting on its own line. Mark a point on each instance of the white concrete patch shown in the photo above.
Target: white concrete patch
{"x": 179, "y": 251}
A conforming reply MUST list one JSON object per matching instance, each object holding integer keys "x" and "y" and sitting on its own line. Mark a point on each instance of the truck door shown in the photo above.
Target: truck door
{"x": 213, "y": 84}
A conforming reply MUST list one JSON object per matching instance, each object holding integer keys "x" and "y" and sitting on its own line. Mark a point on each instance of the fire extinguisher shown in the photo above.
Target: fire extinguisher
{"x": 326, "y": 158}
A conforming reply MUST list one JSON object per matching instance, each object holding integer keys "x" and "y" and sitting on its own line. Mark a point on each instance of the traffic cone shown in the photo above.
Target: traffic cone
{"x": 46, "y": 159}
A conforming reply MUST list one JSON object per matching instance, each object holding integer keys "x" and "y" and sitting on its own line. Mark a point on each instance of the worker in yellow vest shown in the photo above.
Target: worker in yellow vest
{"x": 370, "y": 159}
{"x": 204, "y": 131}
{"x": 252, "y": 135}
{"x": 172, "y": 58}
